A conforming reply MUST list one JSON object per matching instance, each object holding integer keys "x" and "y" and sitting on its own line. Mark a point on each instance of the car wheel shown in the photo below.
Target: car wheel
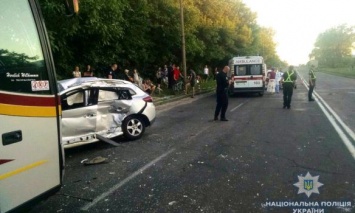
{"x": 133, "y": 127}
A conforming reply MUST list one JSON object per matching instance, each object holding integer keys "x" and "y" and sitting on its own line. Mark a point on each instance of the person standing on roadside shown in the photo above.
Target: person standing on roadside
{"x": 111, "y": 72}
{"x": 171, "y": 75}
{"x": 159, "y": 76}
{"x": 288, "y": 79}
{"x": 277, "y": 81}
{"x": 88, "y": 72}
{"x": 272, "y": 83}
{"x": 312, "y": 83}
{"x": 127, "y": 76}
{"x": 222, "y": 94}
{"x": 76, "y": 72}
{"x": 205, "y": 73}
{"x": 192, "y": 82}
{"x": 137, "y": 79}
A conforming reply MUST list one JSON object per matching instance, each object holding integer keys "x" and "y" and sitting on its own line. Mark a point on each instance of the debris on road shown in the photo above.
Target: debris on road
{"x": 96, "y": 160}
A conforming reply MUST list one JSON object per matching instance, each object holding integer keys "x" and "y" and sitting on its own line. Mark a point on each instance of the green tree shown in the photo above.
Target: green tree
{"x": 333, "y": 47}
{"x": 144, "y": 34}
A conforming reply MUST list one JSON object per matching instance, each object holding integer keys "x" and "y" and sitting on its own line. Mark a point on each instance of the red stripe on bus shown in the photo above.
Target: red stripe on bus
{"x": 3, "y": 161}
{"x": 26, "y": 100}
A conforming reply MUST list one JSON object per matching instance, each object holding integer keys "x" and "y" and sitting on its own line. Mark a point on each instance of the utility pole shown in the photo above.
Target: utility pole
{"x": 183, "y": 44}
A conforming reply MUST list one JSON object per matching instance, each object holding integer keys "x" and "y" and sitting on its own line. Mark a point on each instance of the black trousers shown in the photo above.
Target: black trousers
{"x": 288, "y": 91}
{"x": 222, "y": 105}
{"x": 310, "y": 91}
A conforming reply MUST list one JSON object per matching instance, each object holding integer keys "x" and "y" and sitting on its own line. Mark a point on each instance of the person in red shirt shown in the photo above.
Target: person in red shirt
{"x": 177, "y": 74}
{"x": 271, "y": 84}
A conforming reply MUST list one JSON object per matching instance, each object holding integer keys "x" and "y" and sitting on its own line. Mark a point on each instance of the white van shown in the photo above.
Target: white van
{"x": 247, "y": 74}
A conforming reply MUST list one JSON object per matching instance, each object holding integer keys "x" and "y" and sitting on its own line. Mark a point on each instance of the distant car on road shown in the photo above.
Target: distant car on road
{"x": 94, "y": 108}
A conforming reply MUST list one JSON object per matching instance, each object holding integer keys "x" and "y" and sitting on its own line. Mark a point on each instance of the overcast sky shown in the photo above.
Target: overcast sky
{"x": 297, "y": 23}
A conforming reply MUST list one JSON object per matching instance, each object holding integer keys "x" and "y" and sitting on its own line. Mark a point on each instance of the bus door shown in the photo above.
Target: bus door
{"x": 31, "y": 155}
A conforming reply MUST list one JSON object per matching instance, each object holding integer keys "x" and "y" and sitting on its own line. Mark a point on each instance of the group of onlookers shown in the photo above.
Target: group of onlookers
{"x": 274, "y": 80}
{"x": 89, "y": 72}
{"x": 169, "y": 76}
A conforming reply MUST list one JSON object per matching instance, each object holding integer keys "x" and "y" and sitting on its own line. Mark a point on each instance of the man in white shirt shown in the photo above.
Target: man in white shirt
{"x": 205, "y": 73}
{"x": 277, "y": 79}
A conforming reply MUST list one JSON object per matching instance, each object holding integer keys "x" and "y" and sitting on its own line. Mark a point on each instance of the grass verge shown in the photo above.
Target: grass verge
{"x": 344, "y": 72}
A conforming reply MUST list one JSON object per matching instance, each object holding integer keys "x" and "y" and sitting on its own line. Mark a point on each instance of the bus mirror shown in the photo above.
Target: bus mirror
{"x": 72, "y": 6}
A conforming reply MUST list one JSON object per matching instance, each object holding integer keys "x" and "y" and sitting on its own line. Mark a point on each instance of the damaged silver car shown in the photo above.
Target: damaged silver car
{"x": 94, "y": 109}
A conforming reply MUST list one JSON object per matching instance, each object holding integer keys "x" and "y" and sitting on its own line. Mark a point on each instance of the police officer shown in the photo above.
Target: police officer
{"x": 111, "y": 71}
{"x": 312, "y": 82}
{"x": 288, "y": 80}
{"x": 222, "y": 94}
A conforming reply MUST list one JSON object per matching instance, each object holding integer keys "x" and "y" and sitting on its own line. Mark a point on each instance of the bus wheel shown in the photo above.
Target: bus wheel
{"x": 261, "y": 94}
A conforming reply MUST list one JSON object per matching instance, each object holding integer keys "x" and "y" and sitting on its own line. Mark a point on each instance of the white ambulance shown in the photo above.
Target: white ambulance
{"x": 247, "y": 74}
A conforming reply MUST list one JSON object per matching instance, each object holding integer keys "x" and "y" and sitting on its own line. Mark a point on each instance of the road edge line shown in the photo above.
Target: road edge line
{"x": 341, "y": 133}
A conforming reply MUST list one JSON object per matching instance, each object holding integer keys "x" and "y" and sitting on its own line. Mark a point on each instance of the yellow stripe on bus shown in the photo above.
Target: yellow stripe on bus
{"x": 23, "y": 169}
{"x": 28, "y": 111}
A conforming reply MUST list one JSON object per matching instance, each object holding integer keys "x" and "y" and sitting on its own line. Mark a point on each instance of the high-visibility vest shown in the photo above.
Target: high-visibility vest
{"x": 311, "y": 73}
{"x": 288, "y": 79}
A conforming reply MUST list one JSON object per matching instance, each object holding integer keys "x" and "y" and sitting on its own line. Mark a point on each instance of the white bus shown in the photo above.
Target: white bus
{"x": 31, "y": 154}
{"x": 247, "y": 74}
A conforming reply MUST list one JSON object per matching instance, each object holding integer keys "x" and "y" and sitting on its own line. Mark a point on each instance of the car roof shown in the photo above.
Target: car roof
{"x": 74, "y": 83}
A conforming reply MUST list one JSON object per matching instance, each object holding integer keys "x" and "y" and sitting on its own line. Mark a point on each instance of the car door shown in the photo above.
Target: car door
{"x": 114, "y": 104}
{"x": 79, "y": 115}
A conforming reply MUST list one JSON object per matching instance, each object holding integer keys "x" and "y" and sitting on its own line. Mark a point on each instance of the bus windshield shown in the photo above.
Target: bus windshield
{"x": 22, "y": 67}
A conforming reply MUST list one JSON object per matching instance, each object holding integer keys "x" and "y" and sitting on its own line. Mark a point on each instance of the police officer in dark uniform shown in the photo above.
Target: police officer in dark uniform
{"x": 111, "y": 71}
{"x": 288, "y": 80}
{"x": 312, "y": 82}
{"x": 222, "y": 94}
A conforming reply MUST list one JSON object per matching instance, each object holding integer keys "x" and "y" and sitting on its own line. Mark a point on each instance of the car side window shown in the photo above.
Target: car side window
{"x": 109, "y": 94}
{"x": 124, "y": 95}
{"x": 132, "y": 92}
{"x": 92, "y": 96}
{"x": 73, "y": 100}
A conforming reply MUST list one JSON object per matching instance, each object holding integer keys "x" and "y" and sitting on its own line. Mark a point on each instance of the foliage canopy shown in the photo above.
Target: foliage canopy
{"x": 144, "y": 34}
{"x": 333, "y": 48}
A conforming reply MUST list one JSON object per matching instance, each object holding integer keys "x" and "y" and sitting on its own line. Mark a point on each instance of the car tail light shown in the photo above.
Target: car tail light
{"x": 148, "y": 99}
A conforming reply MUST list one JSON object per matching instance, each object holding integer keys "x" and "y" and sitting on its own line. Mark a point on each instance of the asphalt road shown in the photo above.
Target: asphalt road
{"x": 188, "y": 163}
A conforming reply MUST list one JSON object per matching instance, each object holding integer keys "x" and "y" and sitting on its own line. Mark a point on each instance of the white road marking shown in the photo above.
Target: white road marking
{"x": 136, "y": 173}
{"x": 331, "y": 115}
{"x": 126, "y": 180}
{"x": 238, "y": 106}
